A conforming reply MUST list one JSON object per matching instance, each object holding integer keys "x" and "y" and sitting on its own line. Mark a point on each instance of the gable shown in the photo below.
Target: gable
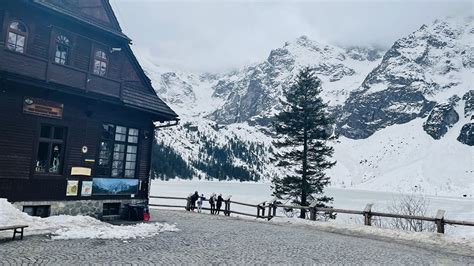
{"x": 92, "y": 8}
{"x": 97, "y": 12}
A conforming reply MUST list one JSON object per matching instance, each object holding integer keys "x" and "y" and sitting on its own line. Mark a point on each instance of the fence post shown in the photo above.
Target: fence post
{"x": 188, "y": 203}
{"x": 440, "y": 221}
{"x": 367, "y": 215}
{"x": 227, "y": 206}
{"x": 270, "y": 206}
{"x": 261, "y": 208}
{"x": 313, "y": 211}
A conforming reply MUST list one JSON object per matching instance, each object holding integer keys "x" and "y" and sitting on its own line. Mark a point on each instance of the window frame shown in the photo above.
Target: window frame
{"x": 112, "y": 142}
{"x": 24, "y": 34}
{"x": 67, "y": 60}
{"x": 105, "y": 60}
{"x": 50, "y": 142}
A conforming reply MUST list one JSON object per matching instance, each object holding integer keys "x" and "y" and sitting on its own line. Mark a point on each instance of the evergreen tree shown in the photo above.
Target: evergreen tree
{"x": 303, "y": 128}
{"x": 167, "y": 164}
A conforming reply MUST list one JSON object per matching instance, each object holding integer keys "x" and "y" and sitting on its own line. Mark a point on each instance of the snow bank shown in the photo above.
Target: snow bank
{"x": 75, "y": 227}
{"x": 455, "y": 243}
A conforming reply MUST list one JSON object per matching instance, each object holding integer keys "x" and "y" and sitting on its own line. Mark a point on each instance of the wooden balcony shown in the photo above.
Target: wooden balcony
{"x": 42, "y": 69}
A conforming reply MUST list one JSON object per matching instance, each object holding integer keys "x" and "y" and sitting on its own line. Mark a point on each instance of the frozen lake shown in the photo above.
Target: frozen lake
{"x": 456, "y": 208}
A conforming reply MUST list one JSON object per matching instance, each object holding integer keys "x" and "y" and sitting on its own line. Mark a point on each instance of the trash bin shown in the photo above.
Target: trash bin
{"x": 136, "y": 212}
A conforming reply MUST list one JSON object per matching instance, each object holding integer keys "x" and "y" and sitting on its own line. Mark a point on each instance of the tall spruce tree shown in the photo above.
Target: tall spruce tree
{"x": 303, "y": 129}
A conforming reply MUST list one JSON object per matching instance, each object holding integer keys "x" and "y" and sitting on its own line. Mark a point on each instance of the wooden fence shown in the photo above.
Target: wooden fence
{"x": 268, "y": 210}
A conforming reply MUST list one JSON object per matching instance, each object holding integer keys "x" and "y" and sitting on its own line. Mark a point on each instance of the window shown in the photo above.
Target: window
{"x": 100, "y": 63}
{"x": 17, "y": 34}
{"x": 62, "y": 50}
{"x": 118, "y": 151}
{"x": 50, "y": 150}
{"x": 41, "y": 210}
{"x": 110, "y": 209}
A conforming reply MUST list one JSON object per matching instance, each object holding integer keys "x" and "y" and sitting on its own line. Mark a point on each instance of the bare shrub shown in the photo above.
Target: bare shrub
{"x": 413, "y": 205}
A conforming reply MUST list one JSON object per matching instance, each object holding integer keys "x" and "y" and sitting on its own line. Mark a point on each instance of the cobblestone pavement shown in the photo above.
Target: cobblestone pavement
{"x": 206, "y": 239}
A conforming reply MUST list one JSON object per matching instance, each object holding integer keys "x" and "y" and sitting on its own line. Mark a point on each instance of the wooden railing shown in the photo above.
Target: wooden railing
{"x": 268, "y": 210}
{"x": 226, "y": 211}
{"x": 48, "y": 71}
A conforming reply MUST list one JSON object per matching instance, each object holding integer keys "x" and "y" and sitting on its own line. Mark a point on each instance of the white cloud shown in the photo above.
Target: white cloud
{"x": 219, "y": 35}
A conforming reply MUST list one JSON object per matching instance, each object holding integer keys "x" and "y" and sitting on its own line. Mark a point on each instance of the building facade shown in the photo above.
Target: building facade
{"x": 77, "y": 112}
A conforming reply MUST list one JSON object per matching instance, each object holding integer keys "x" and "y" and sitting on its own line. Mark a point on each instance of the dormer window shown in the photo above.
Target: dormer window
{"x": 17, "y": 34}
{"x": 62, "y": 50}
{"x": 100, "y": 63}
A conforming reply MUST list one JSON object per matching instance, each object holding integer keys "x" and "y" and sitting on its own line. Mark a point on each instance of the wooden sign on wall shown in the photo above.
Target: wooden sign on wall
{"x": 36, "y": 106}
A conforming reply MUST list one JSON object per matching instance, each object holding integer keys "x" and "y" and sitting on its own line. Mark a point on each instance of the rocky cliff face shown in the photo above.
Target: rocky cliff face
{"x": 252, "y": 94}
{"x": 418, "y": 72}
{"x": 466, "y": 135}
{"x": 441, "y": 118}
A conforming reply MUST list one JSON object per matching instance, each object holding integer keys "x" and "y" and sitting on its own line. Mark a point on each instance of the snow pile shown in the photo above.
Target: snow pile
{"x": 76, "y": 227}
{"x": 453, "y": 243}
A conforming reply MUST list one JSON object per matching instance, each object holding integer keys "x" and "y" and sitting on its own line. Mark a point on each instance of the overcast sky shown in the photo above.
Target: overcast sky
{"x": 223, "y": 34}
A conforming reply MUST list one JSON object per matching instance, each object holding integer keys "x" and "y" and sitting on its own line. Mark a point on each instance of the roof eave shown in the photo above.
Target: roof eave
{"x": 159, "y": 116}
{"x": 69, "y": 15}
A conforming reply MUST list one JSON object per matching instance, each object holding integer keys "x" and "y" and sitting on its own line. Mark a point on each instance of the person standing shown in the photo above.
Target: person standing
{"x": 193, "y": 200}
{"x": 219, "y": 203}
{"x": 212, "y": 202}
{"x": 200, "y": 201}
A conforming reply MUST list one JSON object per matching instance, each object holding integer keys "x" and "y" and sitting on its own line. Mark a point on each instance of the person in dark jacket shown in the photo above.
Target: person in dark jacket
{"x": 212, "y": 202}
{"x": 219, "y": 203}
{"x": 193, "y": 200}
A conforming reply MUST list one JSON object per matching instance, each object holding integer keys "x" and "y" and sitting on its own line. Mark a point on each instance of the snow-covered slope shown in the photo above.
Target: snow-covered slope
{"x": 189, "y": 94}
{"x": 426, "y": 68}
{"x": 405, "y": 119}
{"x": 403, "y": 158}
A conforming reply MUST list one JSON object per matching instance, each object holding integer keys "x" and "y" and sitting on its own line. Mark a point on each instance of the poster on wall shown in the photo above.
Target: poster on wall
{"x": 86, "y": 189}
{"x": 72, "y": 187}
{"x": 114, "y": 186}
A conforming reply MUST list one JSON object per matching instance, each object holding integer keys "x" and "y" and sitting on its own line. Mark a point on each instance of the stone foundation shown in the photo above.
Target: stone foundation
{"x": 92, "y": 208}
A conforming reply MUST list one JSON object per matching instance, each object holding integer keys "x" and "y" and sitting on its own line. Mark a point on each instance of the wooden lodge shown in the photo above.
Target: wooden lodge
{"x": 77, "y": 112}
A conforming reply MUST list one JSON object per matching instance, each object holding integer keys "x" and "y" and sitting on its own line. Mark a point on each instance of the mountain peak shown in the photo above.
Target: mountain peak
{"x": 303, "y": 40}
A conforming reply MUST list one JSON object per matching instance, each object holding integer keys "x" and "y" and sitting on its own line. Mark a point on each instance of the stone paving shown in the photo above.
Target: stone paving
{"x": 206, "y": 239}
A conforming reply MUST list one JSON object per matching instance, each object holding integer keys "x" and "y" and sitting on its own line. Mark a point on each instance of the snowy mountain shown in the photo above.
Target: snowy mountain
{"x": 405, "y": 116}
{"x": 251, "y": 95}
{"x": 424, "y": 69}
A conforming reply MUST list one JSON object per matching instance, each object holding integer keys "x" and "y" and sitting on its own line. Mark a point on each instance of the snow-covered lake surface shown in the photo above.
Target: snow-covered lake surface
{"x": 456, "y": 208}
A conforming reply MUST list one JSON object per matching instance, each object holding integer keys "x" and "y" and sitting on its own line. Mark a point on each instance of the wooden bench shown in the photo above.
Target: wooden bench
{"x": 17, "y": 229}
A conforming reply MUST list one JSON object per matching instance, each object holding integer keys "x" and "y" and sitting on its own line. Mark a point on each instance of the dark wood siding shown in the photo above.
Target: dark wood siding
{"x": 83, "y": 119}
{"x": 115, "y": 65}
{"x": 16, "y": 139}
{"x": 42, "y": 32}
{"x": 2, "y": 33}
{"x": 82, "y": 52}
{"x": 39, "y": 41}
{"x": 20, "y": 63}
{"x": 128, "y": 72}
